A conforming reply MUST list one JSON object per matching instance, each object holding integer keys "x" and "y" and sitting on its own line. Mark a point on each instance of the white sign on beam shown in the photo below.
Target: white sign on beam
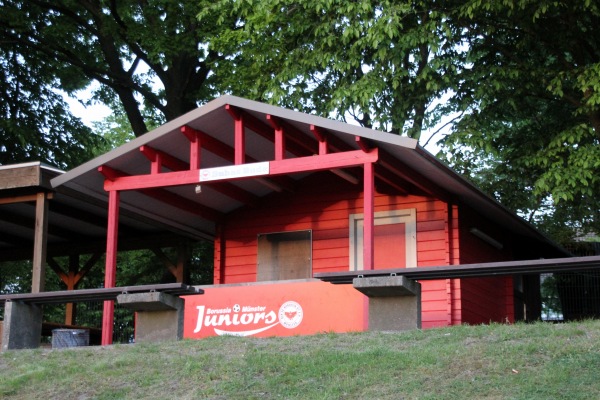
{"x": 234, "y": 171}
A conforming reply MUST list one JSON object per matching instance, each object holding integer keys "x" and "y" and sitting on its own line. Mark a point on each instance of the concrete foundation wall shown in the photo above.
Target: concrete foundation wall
{"x": 22, "y": 326}
{"x": 159, "y": 316}
{"x": 394, "y": 302}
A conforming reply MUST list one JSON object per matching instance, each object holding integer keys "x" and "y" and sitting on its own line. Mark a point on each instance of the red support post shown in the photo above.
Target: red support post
{"x": 279, "y": 138}
{"x": 240, "y": 140}
{"x": 195, "y": 146}
{"x": 320, "y": 135}
{"x": 369, "y": 216}
{"x": 110, "y": 273}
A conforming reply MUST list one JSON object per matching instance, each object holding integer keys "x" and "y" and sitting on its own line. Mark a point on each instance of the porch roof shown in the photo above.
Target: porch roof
{"x": 76, "y": 223}
{"x": 404, "y": 159}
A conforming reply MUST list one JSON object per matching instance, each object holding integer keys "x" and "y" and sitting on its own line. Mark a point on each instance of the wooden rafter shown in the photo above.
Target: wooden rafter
{"x": 263, "y": 129}
{"x": 304, "y": 144}
{"x": 413, "y": 177}
{"x": 408, "y": 177}
{"x": 322, "y": 138}
{"x": 22, "y": 199}
{"x": 29, "y": 223}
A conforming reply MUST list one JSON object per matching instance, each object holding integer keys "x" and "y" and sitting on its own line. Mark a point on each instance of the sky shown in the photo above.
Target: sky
{"x": 97, "y": 112}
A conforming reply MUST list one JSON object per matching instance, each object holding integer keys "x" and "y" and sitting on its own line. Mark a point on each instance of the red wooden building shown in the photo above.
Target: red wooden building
{"x": 285, "y": 195}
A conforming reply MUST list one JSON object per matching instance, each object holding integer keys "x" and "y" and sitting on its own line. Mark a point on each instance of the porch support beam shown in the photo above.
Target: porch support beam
{"x": 325, "y": 162}
{"x": 195, "y": 139}
{"x": 163, "y": 159}
{"x": 72, "y": 278}
{"x": 175, "y": 164}
{"x": 298, "y": 143}
{"x": 38, "y": 278}
{"x": 279, "y": 137}
{"x": 369, "y": 216}
{"x": 23, "y": 199}
{"x": 110, "y": 271}
{"x": 228, "y": 153}
{"x": 321, "y": 138}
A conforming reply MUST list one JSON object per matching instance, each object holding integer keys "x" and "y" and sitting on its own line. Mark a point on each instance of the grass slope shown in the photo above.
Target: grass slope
{"x": 537, "y": 361}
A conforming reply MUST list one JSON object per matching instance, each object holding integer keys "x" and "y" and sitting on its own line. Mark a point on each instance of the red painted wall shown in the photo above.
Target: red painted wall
{"x": 484, "y": 299}
{"x": 323, "y": 204}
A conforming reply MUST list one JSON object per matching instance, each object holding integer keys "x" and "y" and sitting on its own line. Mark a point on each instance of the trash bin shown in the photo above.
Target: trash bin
{"x": 62, "y": 338}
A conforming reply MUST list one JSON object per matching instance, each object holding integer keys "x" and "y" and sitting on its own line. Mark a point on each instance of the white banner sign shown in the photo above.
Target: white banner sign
{"x": 234, "y": 171}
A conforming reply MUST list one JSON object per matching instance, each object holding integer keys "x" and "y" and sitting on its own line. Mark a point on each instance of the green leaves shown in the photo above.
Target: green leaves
{"x": 364, "y": 60}
{"x": 532, "y": 93}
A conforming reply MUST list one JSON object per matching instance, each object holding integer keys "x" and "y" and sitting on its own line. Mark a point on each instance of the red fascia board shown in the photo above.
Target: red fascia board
{"x": 165, "y": 179}
{"x": 282, "y": 167}
{"x": 323, "y": 162}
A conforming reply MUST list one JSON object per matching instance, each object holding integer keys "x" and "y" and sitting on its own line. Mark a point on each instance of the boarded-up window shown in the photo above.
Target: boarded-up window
{"x": 284, "y": 255}
{"x": 395, "y": 237}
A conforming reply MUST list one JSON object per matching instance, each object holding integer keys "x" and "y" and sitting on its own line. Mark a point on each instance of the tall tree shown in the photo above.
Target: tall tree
{"x": 521, "y": 76}
{"x": 149, "y": 54}
{"x": 35, "y": 123}
{"x": 380, "y": 63}
{"x": 532, "y": 107}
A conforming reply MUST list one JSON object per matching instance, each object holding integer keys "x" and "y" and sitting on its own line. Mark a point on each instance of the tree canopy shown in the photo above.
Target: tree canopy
{"x": 147, "y": 55}
{"x": 531, "y": 97}
{"x": 517, "y": 80}
{"x": 35, "y": 123}
{"x": 382, "y": 64}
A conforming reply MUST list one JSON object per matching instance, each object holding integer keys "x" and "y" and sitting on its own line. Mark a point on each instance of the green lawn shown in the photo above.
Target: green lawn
{"x": 537, "y": 361}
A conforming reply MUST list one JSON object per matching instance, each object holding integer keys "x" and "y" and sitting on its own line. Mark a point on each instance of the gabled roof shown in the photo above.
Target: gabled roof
{"x": 402, "y": 157}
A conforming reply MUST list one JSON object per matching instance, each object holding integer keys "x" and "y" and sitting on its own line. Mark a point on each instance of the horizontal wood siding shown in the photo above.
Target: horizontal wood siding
{"x": 484, "y": 299}
{"x": 323, "y": 204}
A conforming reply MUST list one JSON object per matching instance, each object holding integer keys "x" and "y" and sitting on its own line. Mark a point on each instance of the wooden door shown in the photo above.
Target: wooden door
{"x": 284, "y": 255}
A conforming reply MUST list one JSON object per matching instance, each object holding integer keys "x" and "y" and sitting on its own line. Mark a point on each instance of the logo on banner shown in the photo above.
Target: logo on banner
{"x": 248, "y": 320}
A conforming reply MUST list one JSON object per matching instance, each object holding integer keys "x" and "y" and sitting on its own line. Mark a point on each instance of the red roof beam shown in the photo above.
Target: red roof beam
{"x": 297, "y": 147}
{"x": 161, "y": 159}
{"x": 175, "y": 164}
{"x": 117, "y": 177}
{"x": 240, "y": 140}
{"x": 195, "y": 139}
{"x": 289, "y": 166}
{"x": 413, "y": 177}
{"x": 279, "y": 137}
{"x": 321, "y": 137}
{"x": 325, "y": 162}
{"x": 109, "y": 173}
{"x": 227, "y": 153}
{"x": 363, "y": 143}
{"x": 302, "y": 143}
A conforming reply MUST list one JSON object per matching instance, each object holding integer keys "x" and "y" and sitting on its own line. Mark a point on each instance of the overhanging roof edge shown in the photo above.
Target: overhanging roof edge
{"x": 242, "y": 103}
